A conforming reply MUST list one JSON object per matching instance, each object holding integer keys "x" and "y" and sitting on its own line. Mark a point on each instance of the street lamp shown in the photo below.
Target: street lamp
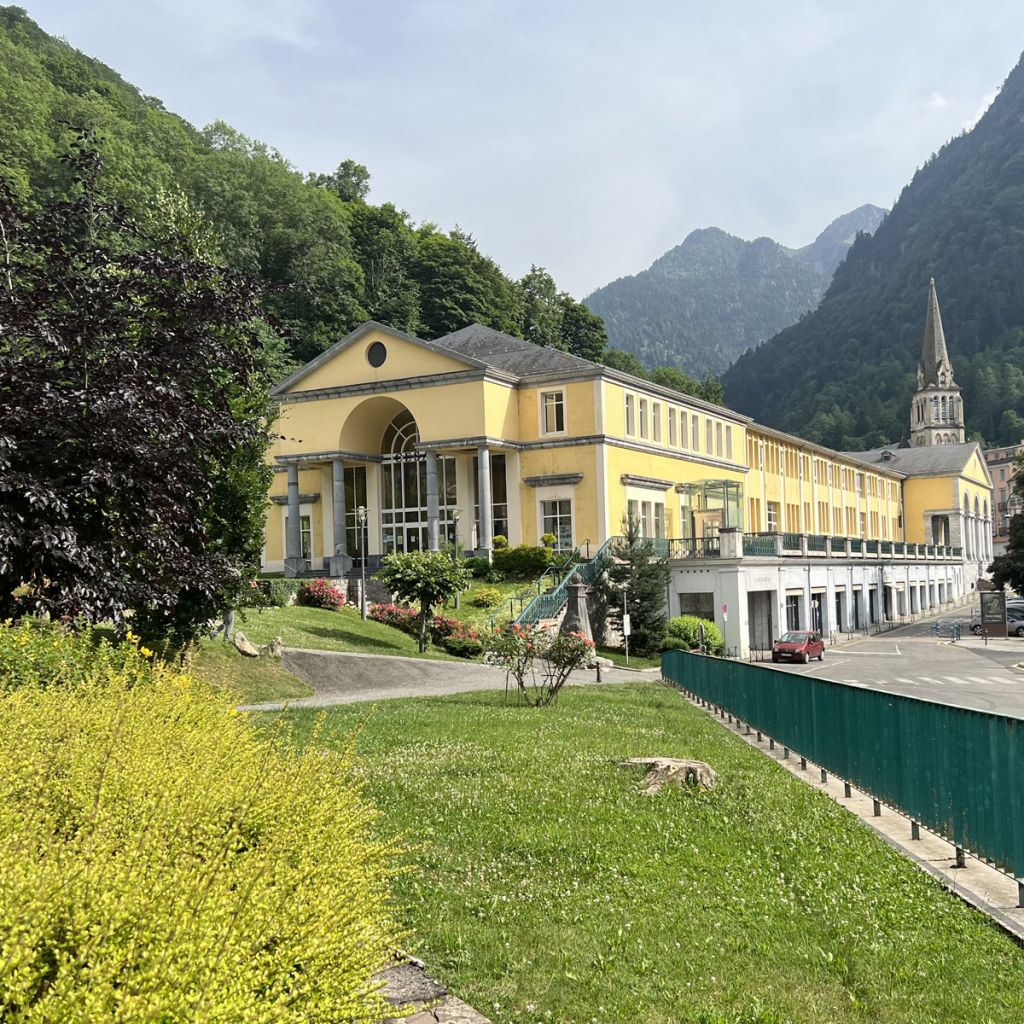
{"x": 455, "y": 548}
{"x": 361, "y": 520}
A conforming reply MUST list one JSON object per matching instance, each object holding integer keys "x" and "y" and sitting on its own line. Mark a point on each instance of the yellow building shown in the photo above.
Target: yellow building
{"x": 390, "y": 443}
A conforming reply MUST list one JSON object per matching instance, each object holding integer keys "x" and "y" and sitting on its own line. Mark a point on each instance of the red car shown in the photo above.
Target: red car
{"x": 799, "y": 645}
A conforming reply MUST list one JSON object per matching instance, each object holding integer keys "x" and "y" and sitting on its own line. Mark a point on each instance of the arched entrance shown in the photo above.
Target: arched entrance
{"x": 403, "y": 488}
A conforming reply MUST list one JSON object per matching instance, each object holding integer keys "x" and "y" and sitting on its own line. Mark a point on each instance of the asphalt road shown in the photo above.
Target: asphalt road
{"x": 914, "y": 662}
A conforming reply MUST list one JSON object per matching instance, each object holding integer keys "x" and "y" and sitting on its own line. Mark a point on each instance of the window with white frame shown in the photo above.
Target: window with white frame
{"x": 633, "y": 511}
{"x": 656, "y": 422}
{"x": 709, "y": 438}
{"x": 556, "y": 519}
{"x": 553, "y": 412}
{"x": 630, "y": 414}
{"x": 695, "y": 432}
{"x": 643, "y": 418}
{"x": 659, "y": 519}
{"x": 728, "y": 442}
{"x": 719, "y": 447}
{"x": 645, "y": 519}
{"x": 671, "y": 427}
{"x": 773, "y": 516}
{"x": 683, "y": 442}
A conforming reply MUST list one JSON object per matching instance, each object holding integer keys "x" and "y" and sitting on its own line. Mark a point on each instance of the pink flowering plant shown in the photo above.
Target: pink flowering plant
{"x": 320, "y": 593}
{"x": 540, "y": 662}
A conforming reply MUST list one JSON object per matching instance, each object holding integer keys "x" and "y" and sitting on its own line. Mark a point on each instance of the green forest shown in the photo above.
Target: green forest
{"x": 328, "y": 259}
{"x": 845, "y": 373}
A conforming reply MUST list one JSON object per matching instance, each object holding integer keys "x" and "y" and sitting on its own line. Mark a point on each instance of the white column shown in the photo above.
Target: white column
{"x": 433, "y": 543}
{"x": 483, "y": 465}
{"x": 339, "y": 562}
{"x": 293, "y": 532}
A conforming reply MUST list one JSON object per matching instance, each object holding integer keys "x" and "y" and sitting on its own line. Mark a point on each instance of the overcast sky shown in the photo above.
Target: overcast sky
{"x": 585, "y": 136}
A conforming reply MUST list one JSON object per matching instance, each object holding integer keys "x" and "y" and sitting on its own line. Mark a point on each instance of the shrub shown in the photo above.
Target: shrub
{"x": 478, "y": 567}
{"x": 549, "y": 540}
{"x": 486, "y": 597}
{"x": 523, "y": 562}
{"x": 495, "y": 576}
{"x": 396, "y": 616}
{"x": 441, "y": 626}
{"x": 499, "y": 541}
{"x": 320, "y": 593}
{"x": 516, "y": 648}
{"x": 273, "y": 593}
{"x": 177, "y": 863}
{"x": 463, "y": 647}
{"x": 684, "y": 632}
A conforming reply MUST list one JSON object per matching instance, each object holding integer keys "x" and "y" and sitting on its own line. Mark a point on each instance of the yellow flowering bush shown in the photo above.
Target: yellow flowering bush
{"x": 161, "y": 860}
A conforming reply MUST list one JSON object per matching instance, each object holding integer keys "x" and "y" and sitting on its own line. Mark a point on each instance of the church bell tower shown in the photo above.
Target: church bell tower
{"x": 937, "y": 410}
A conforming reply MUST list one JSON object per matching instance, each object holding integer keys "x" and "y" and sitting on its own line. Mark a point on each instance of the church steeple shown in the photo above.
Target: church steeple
{"x": 937, "y": 411}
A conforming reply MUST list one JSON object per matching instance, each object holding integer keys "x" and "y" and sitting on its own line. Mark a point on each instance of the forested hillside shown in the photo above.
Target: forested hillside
{"x": 330, "y": 260}
{"x": 708, "y": 300}
{"x": 844, "y": 374}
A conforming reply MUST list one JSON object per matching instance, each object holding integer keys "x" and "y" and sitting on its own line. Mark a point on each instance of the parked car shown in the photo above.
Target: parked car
{"x": 1014, "y": 622}
{"x": 799, "y": 645}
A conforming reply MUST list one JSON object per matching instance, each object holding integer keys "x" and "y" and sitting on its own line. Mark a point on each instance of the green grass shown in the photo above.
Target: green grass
{"x": 546, "y": 888}
{"x": 618, "y": 655}
{"x": 317, "y": 629}
{"x": 251, "y": 680}
{"x": 500, "y": 613}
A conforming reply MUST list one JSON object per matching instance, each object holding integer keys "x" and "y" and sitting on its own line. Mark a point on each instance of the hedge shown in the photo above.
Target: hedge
{"x": 162, "y": 859}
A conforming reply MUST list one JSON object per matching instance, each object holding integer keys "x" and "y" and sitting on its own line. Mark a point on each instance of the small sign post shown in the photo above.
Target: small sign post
{"x": 625, "y": 633}
{"x": 725, "y": 611}
{"x": 993, "y": 613}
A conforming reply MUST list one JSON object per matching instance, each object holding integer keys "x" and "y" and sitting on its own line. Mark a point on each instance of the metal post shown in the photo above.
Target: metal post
{"x": 847, "y": 791}
{"x": 771, "y": 743}
{"x": 1020, "y": 892}
{"x": 361, "y": 520}
{"x": 785, "y": 753}
{"x": 824, "y": 775}
{"x": 915, "y": 830}
{"x": 876, "y": 808}
{"x": 961, "y": 859}
{"x": 758, "y": 735}
{"x": 803, "y": 764}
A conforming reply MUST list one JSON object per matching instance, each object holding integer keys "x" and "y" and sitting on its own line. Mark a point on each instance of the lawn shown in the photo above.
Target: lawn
{"x": 546, "y": 888}
{"x": 497, "y": 614}
{"x": 318, "y": 629}
{"x": 250, "y": 680}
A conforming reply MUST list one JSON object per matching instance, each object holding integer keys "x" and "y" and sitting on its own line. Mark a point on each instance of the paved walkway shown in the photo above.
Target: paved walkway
{"x": 341, "y": 678}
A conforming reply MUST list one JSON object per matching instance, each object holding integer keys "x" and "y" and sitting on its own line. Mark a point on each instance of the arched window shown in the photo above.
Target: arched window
{"x": 944, "y": 411}
{"x": 935, "y": 409}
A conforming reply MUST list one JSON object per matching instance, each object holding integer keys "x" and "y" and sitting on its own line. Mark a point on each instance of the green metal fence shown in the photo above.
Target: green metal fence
{"x": 954, "y": 770}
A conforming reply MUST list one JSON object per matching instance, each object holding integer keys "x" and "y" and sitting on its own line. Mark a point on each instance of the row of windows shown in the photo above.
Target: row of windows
{"x": 844, "y": 522}
{"x": 691, "y": 431}
{"x": 778, "y": 459}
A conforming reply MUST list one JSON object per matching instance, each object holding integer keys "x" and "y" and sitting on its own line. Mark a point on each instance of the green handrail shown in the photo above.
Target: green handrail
{"x": 549, "y": 604}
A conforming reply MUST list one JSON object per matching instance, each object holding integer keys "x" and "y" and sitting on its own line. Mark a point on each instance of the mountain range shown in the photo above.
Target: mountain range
{"x": 709, "y": 299}
{"x": 844, "y": 374}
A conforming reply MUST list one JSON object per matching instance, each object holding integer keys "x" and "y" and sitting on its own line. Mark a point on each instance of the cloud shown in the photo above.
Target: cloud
{"x": 937, "y": 101}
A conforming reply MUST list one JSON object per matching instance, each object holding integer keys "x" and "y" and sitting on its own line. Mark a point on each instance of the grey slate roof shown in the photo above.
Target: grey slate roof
{"x": 513, "y": 355}
{"x": 928, "y": 460}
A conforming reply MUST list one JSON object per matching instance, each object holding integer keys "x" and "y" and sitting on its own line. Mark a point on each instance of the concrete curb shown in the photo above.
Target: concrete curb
{"x": 978, "y": 884}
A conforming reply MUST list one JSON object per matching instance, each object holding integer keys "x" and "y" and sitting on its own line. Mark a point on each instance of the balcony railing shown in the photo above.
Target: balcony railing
{"x": 796, "y": 545}
{"x": 699, "y": 547}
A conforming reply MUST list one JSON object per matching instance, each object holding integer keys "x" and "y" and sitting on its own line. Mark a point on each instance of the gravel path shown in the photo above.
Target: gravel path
{"x": 340, "y": 678}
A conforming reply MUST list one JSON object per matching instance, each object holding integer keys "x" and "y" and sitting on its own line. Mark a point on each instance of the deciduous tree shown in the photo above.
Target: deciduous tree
{"x": 135, "y": 418}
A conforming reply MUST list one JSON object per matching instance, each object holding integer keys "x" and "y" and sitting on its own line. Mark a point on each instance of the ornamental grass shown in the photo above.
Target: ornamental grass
{"x": 162, "y": 860}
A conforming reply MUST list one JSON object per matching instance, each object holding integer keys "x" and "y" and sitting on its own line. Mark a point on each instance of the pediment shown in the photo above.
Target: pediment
{"x": 374, "y": 353}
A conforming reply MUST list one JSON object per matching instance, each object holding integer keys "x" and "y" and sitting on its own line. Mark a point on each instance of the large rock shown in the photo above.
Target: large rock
{"x": 677, "y": 771}
{"x": 243, "y": 646}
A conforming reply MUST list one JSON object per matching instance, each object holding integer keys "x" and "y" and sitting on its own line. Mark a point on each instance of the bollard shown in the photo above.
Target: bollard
{"x": 915, "y": 830}
{"x": 824, "y": 775}
{"x": 847, "y": 791}
{"x": 1020, "y": 892}
{"x": 749, "y": 729}
{"x": 803, "y": 764}
{"x": 961, "y": 860}
{"x": 876, "y": 808}
{"x": 758, "y": 735}
{"x": 785, "y": 753}
{"x": 771, "y": 743}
